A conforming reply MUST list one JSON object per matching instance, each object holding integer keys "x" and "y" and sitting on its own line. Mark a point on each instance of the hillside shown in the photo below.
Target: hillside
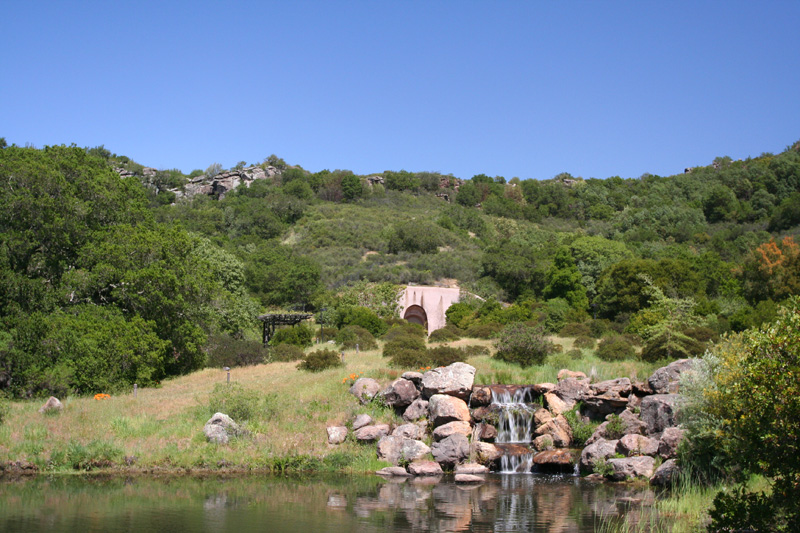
{"x": 103, "y": 257}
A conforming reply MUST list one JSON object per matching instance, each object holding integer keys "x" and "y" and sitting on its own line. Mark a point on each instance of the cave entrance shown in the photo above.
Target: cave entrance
{"x": 417, "y": 315}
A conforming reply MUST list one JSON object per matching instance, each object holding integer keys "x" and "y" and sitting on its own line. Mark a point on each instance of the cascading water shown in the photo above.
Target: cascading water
{"x": 515, "y": 428}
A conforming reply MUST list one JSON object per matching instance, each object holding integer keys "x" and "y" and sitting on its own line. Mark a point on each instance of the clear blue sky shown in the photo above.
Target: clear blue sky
{"x": 526, "y": 89}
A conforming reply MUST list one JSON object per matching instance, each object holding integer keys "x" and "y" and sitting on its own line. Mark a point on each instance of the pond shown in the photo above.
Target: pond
{"x": 318, "y": 503}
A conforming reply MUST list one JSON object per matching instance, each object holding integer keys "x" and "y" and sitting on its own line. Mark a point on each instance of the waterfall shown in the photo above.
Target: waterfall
{"x": 515, "y": 429}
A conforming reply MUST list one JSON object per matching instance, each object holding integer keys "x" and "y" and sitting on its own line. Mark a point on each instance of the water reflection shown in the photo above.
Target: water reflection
{"x": 341, "y": 503}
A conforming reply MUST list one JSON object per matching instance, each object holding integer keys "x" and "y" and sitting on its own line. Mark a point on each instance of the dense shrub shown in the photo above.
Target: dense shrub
{"x": 582, "y": 428}
{"x": 361, "y": 316}
{"x": 403, "y": 329}
{"x": 458, "y": 313}
{"x": 5, "y": 408}
{"x": 676, "y": 346}
{"x": 558, "y": 360}
{"x": 320, "y": 360}
{"x": 326, "y": 334}
{"x": 445, "y": 334}
{"x": 615, "y": 348}
{"x": 285, "y": 352}
{"x": 584, "y": 342}
{"x": 224, "y": 350}
{"x": 483, "y": 331}
{"x": 300, "y": 335}
{"x": 575, "y": 329}
{"x": 522, "y": 345}
{"x": 432, "y": 357}
{"x": 474, "y": 350}
{"x": 399, "y": 343}
{"x": 236, "y": 401}
{"x": 351, "y": 336}
{"x": 598, "y": 327}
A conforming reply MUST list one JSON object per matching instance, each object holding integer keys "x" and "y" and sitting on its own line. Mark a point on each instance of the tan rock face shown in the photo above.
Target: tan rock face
{"x": 453, "y": 380}
{"x": 633, "y": 444}
{"x": 486, "y": 452}
{"x": 444, "y": 408}
{"x": 425, "y": 468}
{"x": 452, "y": 428}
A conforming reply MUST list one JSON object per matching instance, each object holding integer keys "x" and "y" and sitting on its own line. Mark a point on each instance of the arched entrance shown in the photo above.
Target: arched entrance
{"x": 416, "y": 315}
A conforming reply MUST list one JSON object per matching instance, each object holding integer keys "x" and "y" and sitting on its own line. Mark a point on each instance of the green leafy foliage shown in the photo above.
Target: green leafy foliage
{"x": 615, "y": 348}
{"x": 226, "y": 350}
{"x": 320, "y": 360}
{"x": 522, "y": 345}
{"x": 363, "y": 317}
{"x": 351, "y": 336}
{"x": 238, "y": 402}
{"x": 300, "y": 335}
{"x": 285, "y": 352}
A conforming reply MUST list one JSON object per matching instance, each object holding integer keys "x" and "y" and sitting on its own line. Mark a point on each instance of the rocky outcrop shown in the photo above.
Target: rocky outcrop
{"x": 52, "y": 404}
{"x": 666, "y": 380}
{"x": 223, "y": 182}
{"x": 400, "y": 393}
{"x": 365, "y": 389}
{"x": 336, "y": 434}
{"x": 453, "y": 380}
{"x": 220, "y": 428}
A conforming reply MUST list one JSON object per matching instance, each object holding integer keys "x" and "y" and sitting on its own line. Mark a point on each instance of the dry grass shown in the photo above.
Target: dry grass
{"x": 162, "y": 427}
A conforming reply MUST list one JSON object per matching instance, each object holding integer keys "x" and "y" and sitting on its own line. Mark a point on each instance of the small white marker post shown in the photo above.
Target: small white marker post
{"x": 228, "y": 370}
{"x": 135, "y": 389}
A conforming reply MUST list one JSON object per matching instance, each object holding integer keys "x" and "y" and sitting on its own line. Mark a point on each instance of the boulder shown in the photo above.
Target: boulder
{"x": 52, "y": 404}
{"x": 565, "y": 373}
{"x": 543, "y": 388}
{"x": 336, "y": 434}
{"x": 372, "y": 433}
{"x": 361, "y": 421}
{"x": 489, "y": 413}
{"x": 365, "y": 389}
{"x": 444, "y": 408}
{"x": 541, "y": 416}
{"x": 397, "y": 471}
{"x": 630, "y": 445}
{"x": 400, "y": 393}
{"x": 481, "y": 396}
{"x": 558, "y": 429}
{"x": 451, "y": 451}
{"x": 220, "y": 428}
{"x": 666, "y": 380}
{"x": 571, "y": 390}
{"x": 413, "y": 377}
{"x": 471, "y": 468}
{"x": 452, "y": 428}
{"x": 544, "y": 442}
{"x": 666, "y": 473}
{"x": 631, "y": 425}
{"x": 554, "y": 461}
{"x": 620, "y": 387}
{"x": 556, "y": 404}
{"x": 396, "y": 449}
{"x": 631, "y": 467}
{"x": 453, "y": 380}
{"x": 487, "y": 432}
{"x": 418, "y": 409}
{"x": 658, "y": 412}
{"x": 668, "y": 445}
{"x": 600, "y": 449}
{"x": 486, "y": 452}
{"x": 468, "y": 478}
{"x": 409, "y": 431}
{"x": 413, "y": 450}
{"x": 425, "y": 468}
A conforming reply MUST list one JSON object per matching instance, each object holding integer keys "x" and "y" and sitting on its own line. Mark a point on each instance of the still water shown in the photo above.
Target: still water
{"x": 318, "y": 503}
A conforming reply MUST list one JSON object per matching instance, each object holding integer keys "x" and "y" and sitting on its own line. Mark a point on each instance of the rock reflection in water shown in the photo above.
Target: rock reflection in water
{"x": 366, "y": 504}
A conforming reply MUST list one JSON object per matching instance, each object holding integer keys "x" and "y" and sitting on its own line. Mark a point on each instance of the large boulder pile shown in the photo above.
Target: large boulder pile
{"x": 458, "y": 419}
{"x": 223, "y": 182}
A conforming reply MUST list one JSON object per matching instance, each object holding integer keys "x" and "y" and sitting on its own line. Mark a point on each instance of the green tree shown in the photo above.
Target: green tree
{"x": 563, "y": 280}
{"x": 351, "y": 187}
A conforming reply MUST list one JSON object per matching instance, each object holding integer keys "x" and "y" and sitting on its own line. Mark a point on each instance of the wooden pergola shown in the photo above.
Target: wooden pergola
{"x": 273, "y": 320}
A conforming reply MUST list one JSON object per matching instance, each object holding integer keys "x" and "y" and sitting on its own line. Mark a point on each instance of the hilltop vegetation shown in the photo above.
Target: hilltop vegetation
{"x": 104, "y": 282}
